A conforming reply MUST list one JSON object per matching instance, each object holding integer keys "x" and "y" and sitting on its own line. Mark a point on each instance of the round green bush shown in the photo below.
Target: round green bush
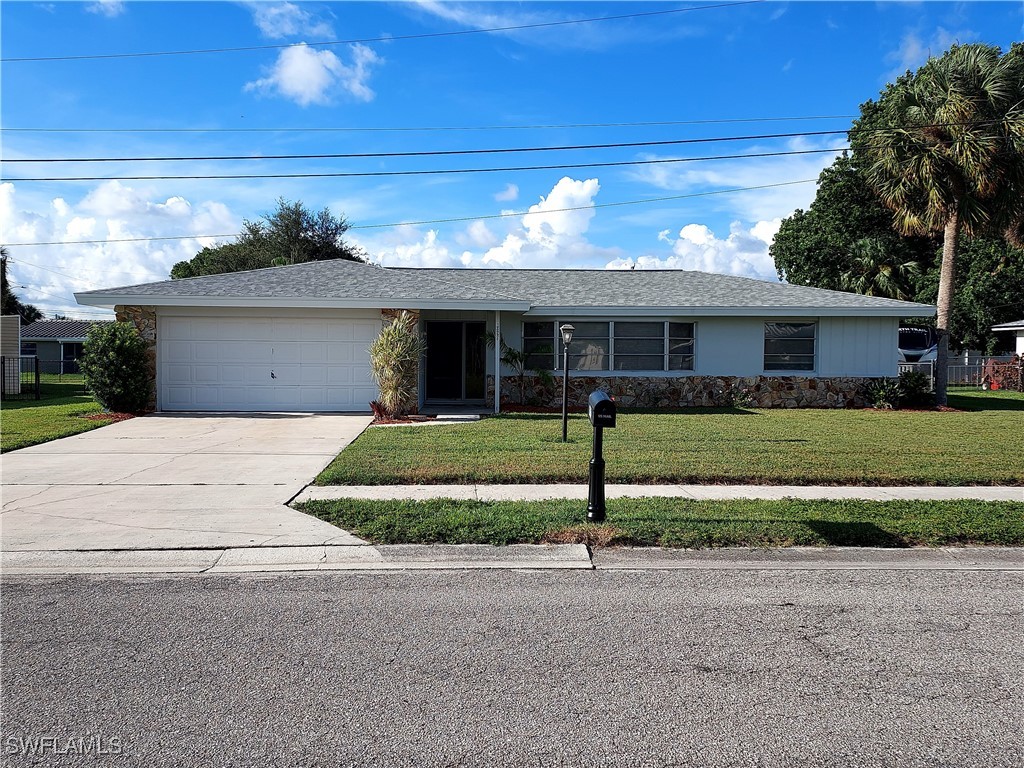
{"x": 115, "y": 367}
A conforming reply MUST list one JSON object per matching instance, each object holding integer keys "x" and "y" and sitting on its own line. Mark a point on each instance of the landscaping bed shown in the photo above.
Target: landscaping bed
{"x": 980, "y": 443}
{"x": 668, "y": 522}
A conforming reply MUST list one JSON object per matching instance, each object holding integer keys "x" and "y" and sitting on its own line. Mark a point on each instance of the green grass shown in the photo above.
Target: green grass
{"x": 681, "y": 523}
{"x": 57, "y": 414}
{"x": 982, "y": 444}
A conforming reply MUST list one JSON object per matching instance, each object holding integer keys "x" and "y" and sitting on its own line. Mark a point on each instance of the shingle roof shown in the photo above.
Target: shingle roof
{"x": 338, "y": 282}
{"x": 1015, "y": 325}
{"x": 59, "y": 329}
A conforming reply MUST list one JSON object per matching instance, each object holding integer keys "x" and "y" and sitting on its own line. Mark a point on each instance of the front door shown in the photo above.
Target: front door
{"x": 456, "y": 360}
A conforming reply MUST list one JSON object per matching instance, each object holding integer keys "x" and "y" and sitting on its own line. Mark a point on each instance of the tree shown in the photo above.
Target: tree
{"x": 290, "y": 235}
{"x": 946, "y": 155}
{"x": 10, "y": 304}
{"x": 878, "y": 267}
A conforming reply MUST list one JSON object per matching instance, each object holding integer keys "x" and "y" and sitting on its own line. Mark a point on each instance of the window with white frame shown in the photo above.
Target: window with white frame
{"x": 619, "y": 345}
{"x": 789, "y": 346}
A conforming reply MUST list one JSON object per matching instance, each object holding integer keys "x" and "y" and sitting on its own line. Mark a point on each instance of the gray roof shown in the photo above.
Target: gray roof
{"x": 1015, "y": 325}
{"x": 345, "y": 283}
{"x": 58, "y": 329}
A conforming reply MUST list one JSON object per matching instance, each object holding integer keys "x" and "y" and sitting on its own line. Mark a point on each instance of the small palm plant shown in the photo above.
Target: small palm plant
{"x": 394, "y": 363}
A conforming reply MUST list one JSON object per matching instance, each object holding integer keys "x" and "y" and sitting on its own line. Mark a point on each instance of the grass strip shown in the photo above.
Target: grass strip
{"x": 667, "y": 522}
{"x": 58, "y": 414}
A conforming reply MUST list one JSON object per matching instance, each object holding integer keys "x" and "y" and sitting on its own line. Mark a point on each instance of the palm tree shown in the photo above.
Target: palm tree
{"x": 947, "y": 156}
{"x": 877, "y": 269}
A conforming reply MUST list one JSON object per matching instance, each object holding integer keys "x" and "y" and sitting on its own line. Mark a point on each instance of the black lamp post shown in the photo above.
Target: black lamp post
{"x": 566, "y": 338}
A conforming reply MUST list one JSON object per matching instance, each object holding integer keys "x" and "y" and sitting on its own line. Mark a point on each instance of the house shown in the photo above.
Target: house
{"x": 295, "y": 338}
{"x": 57, "y": 343}
{"x": 1017, "y": 328}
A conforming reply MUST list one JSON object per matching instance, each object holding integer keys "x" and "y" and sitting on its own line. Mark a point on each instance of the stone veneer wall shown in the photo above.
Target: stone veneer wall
{"x": 693, "y": 391}
{"x": 144, "y": 319}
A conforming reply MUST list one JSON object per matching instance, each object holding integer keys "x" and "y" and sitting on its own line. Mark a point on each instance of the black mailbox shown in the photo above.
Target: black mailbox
{"x": 601, "y": 409}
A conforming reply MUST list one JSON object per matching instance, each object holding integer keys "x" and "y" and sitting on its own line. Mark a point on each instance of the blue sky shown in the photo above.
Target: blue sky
{"x": 740, "y": 63}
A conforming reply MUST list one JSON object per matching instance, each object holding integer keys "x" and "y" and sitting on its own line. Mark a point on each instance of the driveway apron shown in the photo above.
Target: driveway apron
{"x": 171, "y": 481}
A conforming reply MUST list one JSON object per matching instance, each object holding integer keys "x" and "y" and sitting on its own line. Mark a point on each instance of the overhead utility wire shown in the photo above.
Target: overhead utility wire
{"x": 429, "y": 153}
{"x": 504, "y": 215}
{"x": 382, "y": 39}
{"x": 430, "y": 172}
{"x": 385, "y": 129}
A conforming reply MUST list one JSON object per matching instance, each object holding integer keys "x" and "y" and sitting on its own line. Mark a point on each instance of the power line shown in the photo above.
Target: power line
{"x": 384, "y": 129}
{"x": 429, "y": 172}
{"x": 505, "y": 215}
{"x": 388, "y": 39}
{"x": 431, "y": 153}
{"x": 62, "y": 298}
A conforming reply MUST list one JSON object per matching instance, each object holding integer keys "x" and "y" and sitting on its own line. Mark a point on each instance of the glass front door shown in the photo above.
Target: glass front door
{"x": 456, "y": 362}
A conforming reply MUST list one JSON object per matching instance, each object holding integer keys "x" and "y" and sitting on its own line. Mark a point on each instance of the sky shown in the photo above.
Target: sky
{"x": 725, "y": 71}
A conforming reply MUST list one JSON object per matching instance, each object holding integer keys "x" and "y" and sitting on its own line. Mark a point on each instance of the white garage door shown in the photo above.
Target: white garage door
{"x": 290, "y": 363}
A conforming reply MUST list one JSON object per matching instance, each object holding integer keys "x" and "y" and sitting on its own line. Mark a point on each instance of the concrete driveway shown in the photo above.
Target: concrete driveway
{"x": 174, "y": 481}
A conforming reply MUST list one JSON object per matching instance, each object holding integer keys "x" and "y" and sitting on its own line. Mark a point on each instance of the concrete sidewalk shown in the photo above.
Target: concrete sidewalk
{"x": 702, "y": 492}
{"x": 516, "y": 557}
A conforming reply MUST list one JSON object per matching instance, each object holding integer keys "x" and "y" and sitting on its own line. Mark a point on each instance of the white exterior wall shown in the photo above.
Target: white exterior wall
{"x": 858, "y": 346}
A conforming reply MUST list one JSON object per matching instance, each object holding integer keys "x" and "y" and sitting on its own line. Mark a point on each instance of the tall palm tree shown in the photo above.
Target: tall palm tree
{"x": 879, "y": 268}
{"x": 947, "y": 156}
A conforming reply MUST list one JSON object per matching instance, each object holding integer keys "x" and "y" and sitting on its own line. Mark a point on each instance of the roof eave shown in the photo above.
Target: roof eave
{"x": 910, "y": 310}
{"x": 109, "y": 300}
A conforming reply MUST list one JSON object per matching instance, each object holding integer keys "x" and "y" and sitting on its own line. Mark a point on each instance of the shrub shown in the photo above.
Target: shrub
{"x": 884, "y": 394}
{"x": 115, "y": 367}
{"x": 915, "y": 390}
{"x": 394, "y": 362}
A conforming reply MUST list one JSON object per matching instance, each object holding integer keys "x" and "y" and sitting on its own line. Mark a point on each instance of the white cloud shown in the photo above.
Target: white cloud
{"x": 509, "y": 193}
{"x": 914, "y": 50}
{"x": 278, "y": 20}
{"x": 546, "y": 236}
{"x": 744, "y": 252}
{"x": 108, "y": 212}
{"x": 108, "y": 8}
{"x": 309, "y": 76}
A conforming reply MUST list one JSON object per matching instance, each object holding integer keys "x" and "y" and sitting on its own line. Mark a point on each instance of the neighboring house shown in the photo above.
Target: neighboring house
{"x": 1017, "y": 328}
{"x": 57, "y": 343}
{"x": 10, "y": 349}
{"x": 295, "y": 338}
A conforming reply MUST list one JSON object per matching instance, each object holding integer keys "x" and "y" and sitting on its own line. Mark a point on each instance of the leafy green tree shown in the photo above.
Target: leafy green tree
{"x": 290, "y": 235}
{"x": 946, "y": 155}
{"x": 878, "y": 267}
{"x": 116, "y": 368}
{"x": 10, "y": 304}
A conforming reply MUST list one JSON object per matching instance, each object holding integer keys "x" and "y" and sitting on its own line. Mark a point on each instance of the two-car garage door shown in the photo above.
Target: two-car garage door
{"x": 233, "y": 362}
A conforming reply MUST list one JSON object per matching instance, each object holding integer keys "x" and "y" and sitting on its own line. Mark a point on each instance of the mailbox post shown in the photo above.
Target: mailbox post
{"x": 601, "y": 410}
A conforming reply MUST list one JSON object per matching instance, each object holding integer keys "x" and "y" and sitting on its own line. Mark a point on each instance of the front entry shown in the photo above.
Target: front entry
{"x": 456, "y": 360}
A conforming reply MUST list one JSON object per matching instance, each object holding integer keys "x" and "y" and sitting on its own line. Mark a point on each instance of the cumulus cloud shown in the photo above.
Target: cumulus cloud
{"x": 278, "y": 20}
{"x": 744, "y": 252}
{"x": 509, "y": 193}
{"x": 547, "y": 235}
{"x": 108, "y": 8}
{"x": 111, "y": 211}
{"x": 310, "y": 76}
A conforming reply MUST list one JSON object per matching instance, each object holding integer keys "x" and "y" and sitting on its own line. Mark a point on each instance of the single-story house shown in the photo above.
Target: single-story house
{"x": 1017, "y": 328}
{"x": 295, "y": 338}
{"x": 57, "y": 343}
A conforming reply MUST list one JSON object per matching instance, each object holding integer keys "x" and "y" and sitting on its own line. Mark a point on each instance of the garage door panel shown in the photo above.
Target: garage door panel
{"x": 260, "y": 363}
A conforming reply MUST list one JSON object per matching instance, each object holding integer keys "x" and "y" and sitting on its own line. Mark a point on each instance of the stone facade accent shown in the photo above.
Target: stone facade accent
{"x": 693, "y": 391}
{"x": 144, "y": 320}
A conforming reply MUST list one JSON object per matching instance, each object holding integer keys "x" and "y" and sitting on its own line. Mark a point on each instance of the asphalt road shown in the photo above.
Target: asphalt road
{"x": 695, "y": 668}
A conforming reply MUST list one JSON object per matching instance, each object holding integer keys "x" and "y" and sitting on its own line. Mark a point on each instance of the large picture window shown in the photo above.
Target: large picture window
{"x": 620, "y": 345}
{"x": 789, "y": 346}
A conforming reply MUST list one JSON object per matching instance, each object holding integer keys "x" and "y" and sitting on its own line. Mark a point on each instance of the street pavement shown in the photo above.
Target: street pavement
{"x": 697, "y": 667}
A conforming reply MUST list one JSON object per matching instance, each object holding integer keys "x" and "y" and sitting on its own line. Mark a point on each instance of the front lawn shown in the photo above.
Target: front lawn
{"x": 981, "y": 444}
{"x": 57, "y": 414}
{"x": 670, "y": 522}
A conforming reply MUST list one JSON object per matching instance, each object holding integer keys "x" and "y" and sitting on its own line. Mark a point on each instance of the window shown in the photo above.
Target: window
{"x": 28, "y": 348}
{"x": 622, "y": 345}
{"x": 789, "y": 346}
{"x": 539, "y": 345}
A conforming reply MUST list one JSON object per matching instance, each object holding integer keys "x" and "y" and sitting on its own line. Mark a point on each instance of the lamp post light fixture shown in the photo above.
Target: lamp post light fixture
{"x": 566, "y": 338}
